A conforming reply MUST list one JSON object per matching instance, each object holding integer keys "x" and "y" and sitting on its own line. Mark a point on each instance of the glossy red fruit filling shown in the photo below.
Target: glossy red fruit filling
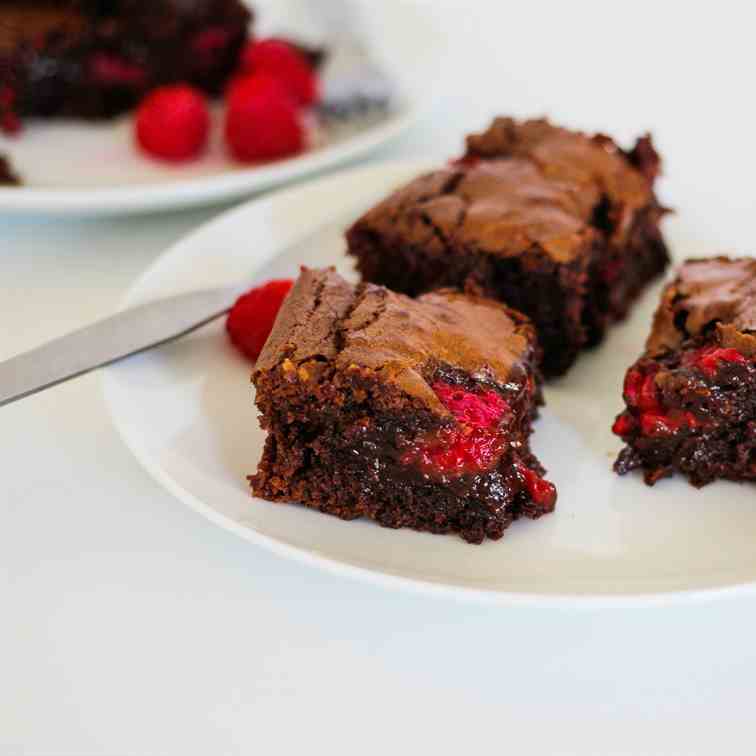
{"x": 210, "y": 41}
{"x": 112, "y": 70}
{"x": 623, "y": 425}
{"x": 708, "y": 359}
{"x": 642, "y": 395}
{"x": 252, "y": 317}
{"x": 655, "y": 424}
{"x": 541, "y": 491}
{"x": 474, "y": 444}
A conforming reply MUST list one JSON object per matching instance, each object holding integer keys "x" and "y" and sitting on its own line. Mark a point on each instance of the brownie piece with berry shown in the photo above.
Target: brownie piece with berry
{"x": 691, "y": 397}
{"x": 97, "y": 58}
{"x": 560, "y": 225}
{"x": 414, "y": 413}
{"x": 7, "y": 176}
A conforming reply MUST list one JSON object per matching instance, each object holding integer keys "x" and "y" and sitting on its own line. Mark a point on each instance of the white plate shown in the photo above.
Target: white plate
{"x": 186, "y": 412}
{"x": 81, "y": 169}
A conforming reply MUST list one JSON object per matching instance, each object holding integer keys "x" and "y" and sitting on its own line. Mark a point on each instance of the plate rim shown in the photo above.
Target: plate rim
{"x": 206, "y": 190}
{"x": 388, "y": 580}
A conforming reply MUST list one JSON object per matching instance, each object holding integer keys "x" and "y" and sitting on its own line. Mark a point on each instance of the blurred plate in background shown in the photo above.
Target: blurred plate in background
{"x": 80, "y": 168}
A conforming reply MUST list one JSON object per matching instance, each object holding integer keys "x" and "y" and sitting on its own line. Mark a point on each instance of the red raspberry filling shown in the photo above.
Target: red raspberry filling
{"x": 473, "y": 444}
{"x": 541, "y": 491}
{"x": 707, "y": 359}
{"x": 642, "y": 395}
{"x": 476, "y": 442}
{"x": 113, "y": 70}
{"x": 623, "y": 425}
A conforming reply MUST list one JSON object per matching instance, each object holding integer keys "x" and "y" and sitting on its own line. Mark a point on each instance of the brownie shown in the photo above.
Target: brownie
{"x": 97, "y": 58}
{"x": 560, "y": 225}
{"x": 691, "y": 397}
{"x": 414, "y": 413}
{"x": 7, "y": 176}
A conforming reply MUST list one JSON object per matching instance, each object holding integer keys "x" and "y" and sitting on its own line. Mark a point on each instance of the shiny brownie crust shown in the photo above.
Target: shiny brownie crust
{"x": 691, "y": 397}
{"x": 559, "y": 225}
{"x": 354, "y": 388}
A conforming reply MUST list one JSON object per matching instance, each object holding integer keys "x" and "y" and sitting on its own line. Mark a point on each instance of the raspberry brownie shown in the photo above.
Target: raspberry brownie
{"x": 97, "y": 58}
{"x": 691, "y": 397}
{"x": 560, "y": 225}
{"x": 414, "y": 413}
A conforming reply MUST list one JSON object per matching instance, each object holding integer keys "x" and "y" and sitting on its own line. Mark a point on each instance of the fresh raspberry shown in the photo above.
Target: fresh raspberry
{"x": 251, "y": 319}
{"x": 262, "y": 121}
{"x": 541, "y": 491}
{"x": 623, "y": 425}
{"x": 277, "y": 58}
{"x": 173, "y": 123}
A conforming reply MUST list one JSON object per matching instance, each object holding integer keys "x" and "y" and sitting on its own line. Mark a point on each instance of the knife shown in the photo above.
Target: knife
{"x": 141, "y": 328}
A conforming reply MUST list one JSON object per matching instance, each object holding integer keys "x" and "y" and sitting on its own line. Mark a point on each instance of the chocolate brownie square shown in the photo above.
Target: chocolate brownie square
{"x": 560, "y": 225}
{"x": 97, "y": 58}
{"x": 414, "y": 413}
{"x": 691, "y": 397}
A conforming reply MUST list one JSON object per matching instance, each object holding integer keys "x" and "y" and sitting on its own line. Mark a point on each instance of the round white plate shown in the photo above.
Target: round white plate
{"x": 186, "y": 411}
{"x": 79, "y": 168}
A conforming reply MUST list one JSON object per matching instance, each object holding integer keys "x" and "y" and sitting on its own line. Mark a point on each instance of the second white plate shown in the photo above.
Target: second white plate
{"x": 76, "y": 168}
{"x": 186, "y": 411}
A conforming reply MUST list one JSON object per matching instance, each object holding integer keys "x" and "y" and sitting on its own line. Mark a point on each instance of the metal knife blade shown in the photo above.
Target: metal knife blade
{"x": 110, "y": 340}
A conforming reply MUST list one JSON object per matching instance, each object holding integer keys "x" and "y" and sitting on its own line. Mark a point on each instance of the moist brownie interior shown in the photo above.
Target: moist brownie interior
{"x": 691, "y": 397}
{"x": 415, "y": 413}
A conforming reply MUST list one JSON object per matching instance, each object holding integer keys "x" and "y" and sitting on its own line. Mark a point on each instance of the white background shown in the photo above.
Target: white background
{"x": 129, "y": 625}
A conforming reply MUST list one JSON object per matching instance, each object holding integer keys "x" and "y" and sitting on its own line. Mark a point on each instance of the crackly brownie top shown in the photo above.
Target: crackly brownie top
{"x": 714, "y": 295}
{"x": 594, "y": 165}
{"x": 521, "y": 186}
{"x": 326, "y": 320}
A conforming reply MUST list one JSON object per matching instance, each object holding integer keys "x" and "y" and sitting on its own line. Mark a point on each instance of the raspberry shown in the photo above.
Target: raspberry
{"x": 474, "y": 444}
{"x": 262, "y": 121}
{"x": 648, "y": 397}
{"x": 108, "y": 69}
{"x": 457, "y": 451}
{"x": 707, "y": 359}
{"x": 541, "y": 491}
{"x": 623, "y": 425}
{"x": 484, "y": 410}
{"x": 279, "y": 59}
{"x": 251, "y": 319}
{"x": 173, "y": 122}
{"x": 657, "y": 424}
{"x": 633, "y": 383}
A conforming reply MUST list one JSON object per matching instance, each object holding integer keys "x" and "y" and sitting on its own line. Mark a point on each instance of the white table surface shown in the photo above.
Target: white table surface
{"x": 130, "y": 625}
